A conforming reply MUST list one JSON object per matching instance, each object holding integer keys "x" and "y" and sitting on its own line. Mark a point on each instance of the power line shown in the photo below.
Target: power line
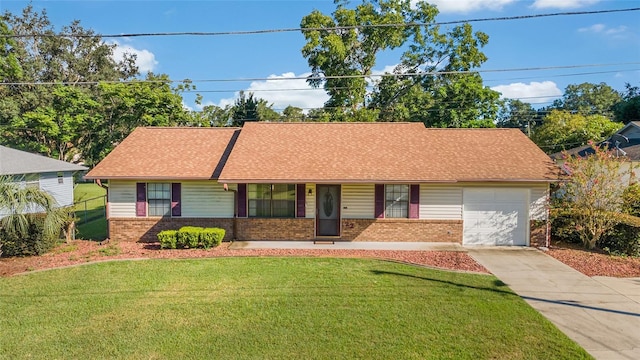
{"x": 372, "y": 86}
{"x": 285, "y": 30}
{"x": 326, "y": 77}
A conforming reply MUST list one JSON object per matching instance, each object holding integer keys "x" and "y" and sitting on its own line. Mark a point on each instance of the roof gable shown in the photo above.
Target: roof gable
{"x": 14, "y": 162}
{"x": 168, "y": 153}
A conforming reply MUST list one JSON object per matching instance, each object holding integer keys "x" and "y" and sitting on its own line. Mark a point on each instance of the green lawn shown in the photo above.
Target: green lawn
{"x": 90, "y": 211}
{"x": 270, "y": 308}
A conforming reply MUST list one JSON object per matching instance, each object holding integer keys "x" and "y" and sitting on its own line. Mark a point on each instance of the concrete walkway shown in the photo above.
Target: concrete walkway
{"x": 601, "y": 314}
{"x": 347, "y": 245}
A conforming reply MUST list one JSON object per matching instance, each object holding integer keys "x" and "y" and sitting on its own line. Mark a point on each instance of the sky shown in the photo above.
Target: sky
{"x": 270, "y": 65}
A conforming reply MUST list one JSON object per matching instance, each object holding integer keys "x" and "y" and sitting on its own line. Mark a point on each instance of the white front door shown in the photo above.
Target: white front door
{"x": 495, "y": 216}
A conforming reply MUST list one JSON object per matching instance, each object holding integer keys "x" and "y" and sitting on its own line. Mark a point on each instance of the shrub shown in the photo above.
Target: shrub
{"x": 189, "y": 236}
{"x": 34, "y": 243}
{"x": 563, "y": 226}
{"x": 211, "y": 237}
{"x": 622, "y": 240}
{"x": 168, "y": 239}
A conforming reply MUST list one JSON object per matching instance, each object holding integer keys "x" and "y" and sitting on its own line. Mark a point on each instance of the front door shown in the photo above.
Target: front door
{"x": 328, "y": 211}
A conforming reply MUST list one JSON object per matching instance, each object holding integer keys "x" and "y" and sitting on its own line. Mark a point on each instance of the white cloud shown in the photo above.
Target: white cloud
{"x": 186, "y": 107}
{"x": 465, "y": 6}
{"x": 284, "y": 90}
{"x": 145, "y": 59}
{"x": 616, "y": 32}
{"x": 562, "y": 4}
{"x": 533, "y": 93}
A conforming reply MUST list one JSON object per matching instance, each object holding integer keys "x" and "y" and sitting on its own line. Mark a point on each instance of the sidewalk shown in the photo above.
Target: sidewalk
{"x": 601, "y": 314}
{"x": 347, "y": 245}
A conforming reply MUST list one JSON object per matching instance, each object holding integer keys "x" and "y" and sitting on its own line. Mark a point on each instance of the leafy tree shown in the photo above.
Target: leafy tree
{"x": 593, "y": 194}
{"x": 125, "y": 106}
{"x": 56, "y": 128}
{"x": 433, "y": 82}
{"x": 248, "y": 108}
{"x": 17, "y": 204}
{"x": 50, "y": 119}
{"x": 350, "y": 51}
{"x": 628, "y": 109}
{"x": 518, "y": 114}
{"x": 9, "y": 66}
{"x": 563, "y": 130}
{"x": 588, "y": 99}
{"x": 292, "y": 114}
{"x": 211, "y": 116}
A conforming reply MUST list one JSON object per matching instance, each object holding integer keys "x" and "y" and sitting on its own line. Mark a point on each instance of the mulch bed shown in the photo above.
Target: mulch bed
{"x": 591, "y": 263}
{"x": 80, "y": 251}
{"x": 595, "y": 262}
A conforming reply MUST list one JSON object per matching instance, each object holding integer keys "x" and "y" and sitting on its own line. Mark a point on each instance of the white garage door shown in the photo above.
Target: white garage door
{"x": 495, "y": 216}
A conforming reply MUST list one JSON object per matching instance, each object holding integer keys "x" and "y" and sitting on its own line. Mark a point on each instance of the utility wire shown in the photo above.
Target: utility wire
{"x": 373, "y": 86}
{"x": 326, "y": 77}
{"x": 285, "y": 30}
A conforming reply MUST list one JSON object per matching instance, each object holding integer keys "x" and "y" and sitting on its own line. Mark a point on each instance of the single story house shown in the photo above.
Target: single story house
{"x": 50, "y": 175}
{"x": 337, "y": 181}
{"x": 625, "y": 143}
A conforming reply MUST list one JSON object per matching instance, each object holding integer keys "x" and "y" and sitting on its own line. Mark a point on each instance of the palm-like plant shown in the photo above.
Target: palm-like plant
{"x": 18, "y": 205}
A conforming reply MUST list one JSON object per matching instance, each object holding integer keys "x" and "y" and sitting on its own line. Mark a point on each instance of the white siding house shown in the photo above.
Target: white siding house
{"x": 50, "y": 175}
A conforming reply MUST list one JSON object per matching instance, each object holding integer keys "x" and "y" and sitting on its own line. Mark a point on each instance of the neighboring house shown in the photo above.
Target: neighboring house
{"x": 338, "y": 181}
{"x": 53, "y": 176}
{"x": 625, "y": 143}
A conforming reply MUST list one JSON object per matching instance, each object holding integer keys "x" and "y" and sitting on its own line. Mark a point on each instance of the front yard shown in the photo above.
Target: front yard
{"x": 312, "y": 308}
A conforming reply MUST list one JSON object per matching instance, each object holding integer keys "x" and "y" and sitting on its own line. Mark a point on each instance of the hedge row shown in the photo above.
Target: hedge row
{"x": 191, "y": 237}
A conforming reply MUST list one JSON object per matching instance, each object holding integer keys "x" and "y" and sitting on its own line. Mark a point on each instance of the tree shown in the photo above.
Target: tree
{"x": 339, "y": 58}
{"x": 125, "y": 106}
{"x": 39, "y": 117}
{"x": 433, "y": 82}
{"x": 588, "y": 99}
{"x": 628, "y": 109}
{"x": 563, "y": 130}
{"x": 17, "y": 204}
{"x": 292, "y": 114}
{"x": 56, "y": 129}
{"x": 518, "y": 114}
{"x": 9, "y": 65}
{"x": 211, "y": 116}
{"x": 593, "y": 193}
{"x": 248, "y": 108}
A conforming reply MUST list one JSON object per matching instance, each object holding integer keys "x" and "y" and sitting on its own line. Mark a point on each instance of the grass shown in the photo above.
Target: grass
{"x": 90, "y": 210}
{"x": 270, "y": 308}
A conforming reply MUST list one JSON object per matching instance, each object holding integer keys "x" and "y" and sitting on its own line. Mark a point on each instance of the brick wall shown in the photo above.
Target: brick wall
{"x": 275, "y": 229}
{"x": 538, "y": 233}
{"x": 402, "y": 230}
{"x": 146, "y": 229}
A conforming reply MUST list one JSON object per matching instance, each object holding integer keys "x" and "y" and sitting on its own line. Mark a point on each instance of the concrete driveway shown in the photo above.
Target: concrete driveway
{"x": 601, "y": 314}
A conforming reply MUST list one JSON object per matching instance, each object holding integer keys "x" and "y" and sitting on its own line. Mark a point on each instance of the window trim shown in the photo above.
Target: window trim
{"x": 406, "y": 202}
{"x": 166, "y": 202}
{"x": 290, "y": 201}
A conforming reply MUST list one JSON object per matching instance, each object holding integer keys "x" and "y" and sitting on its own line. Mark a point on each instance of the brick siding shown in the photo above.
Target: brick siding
{"x": 538, "y": 233}
{"x": 147, "y": 229}
{"x": 275, "y": 229}
{"x": 402, "y": 230}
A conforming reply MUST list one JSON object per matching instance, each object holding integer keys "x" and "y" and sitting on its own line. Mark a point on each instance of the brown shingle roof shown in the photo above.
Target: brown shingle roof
{"x": 382, "y": 152}
{"x": 168, "y": 153}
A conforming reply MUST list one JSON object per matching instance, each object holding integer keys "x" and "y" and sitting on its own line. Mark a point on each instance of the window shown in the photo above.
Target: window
{"x": 29, "y": 180}
{"x": 272, "y": 200}
{"x": 396, "y": 201}
{"x": 60, "y": 177}
{"x": 159, "y": 198}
